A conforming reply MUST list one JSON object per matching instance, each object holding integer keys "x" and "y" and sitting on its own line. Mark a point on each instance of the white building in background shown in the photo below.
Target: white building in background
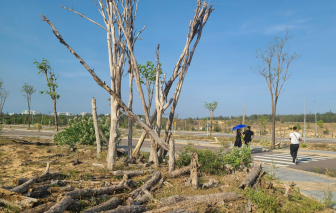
{"x": 26, "y": 112}
{"x": 14, "y": 113}
{"x": 63, "y": 113}
{"x": 84, "y": 113}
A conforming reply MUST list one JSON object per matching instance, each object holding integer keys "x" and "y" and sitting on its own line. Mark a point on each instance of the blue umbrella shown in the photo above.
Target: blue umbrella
{"x": 239, "y": 126}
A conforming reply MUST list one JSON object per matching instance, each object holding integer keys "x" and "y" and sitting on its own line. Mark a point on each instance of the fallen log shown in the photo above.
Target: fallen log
{"x": 143, "y": 198}
{"x": 227, "y": 196}
{"x": 19, "y": 181}
{"x": 38, "y": 143}
{"x": 179, "y": 172}
{"x": 247, "y": 182}
{"x": 140, "y": 164}
{"x": 24, "y": 187}
{"x": 209, "y": 184}
{"x": 146, "y": 186}
{"x": 93, "y": 192}
{"x": 157, "y": 186}
{"x": 61, "y": 205}
{"x": 131, "y": 173}
{"x": 60, "y": 189}
{"x": 55, "y": 155}
{"x": 14, "y": 199}
{"x": 194, "y": 169}
{"x": 41, "y": 208}
{"x": 37, "y": 162}
{"x": 130, "y": 209}
{"x": 108, "y": 205}
{"x": 98, "y": 164}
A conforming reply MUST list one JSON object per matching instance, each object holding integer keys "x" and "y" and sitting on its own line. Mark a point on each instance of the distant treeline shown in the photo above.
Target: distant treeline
{"x": 328, "y": 117}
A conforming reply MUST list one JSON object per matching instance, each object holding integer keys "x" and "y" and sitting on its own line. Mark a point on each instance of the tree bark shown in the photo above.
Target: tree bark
{"x": 60, "y": 189}
{"x": 61, "y": 205}
{"x": 171, "y": 156}
{"x": 95, "y": 122}
{"x": 108, "y": 205}
{"x": 93, "y": 192}
{"x": 41, "y": 208}
{"x": 180, "y": 171}
{"x": 248, "y": 181}
{"x": 55, "y": 114}
{"x": 146, "y": 186}
{"x": 157, "y": 186}
{"x": 130, "y": 123}
{"x": 273, "y": 125}
{"x": 129, "y": 209}
{"x": 194, "y": 170}
{"x": 130, "y": 173}
{"x": 226, "y": 196}
{"x": 153, "y": 154}
{"x": 112, "y": 147}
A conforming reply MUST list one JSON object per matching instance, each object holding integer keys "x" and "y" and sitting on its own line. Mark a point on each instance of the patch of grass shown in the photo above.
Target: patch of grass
{"x": 304, "y": 145}
{"x": 317, "y": 170}
{"x": 328, "y": 199}
{"x": 330, "y": 173}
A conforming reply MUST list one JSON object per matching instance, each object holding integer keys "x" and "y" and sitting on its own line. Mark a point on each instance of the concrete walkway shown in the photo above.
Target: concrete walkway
{"x": 310, "y": 184}
{"x": 309, "y": 152}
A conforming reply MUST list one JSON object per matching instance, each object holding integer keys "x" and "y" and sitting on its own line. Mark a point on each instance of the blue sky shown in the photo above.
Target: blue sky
{"x": 220, "y": 69}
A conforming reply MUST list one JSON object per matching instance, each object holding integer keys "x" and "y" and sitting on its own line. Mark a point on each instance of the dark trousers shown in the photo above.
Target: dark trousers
{"x": 293, "y": 151}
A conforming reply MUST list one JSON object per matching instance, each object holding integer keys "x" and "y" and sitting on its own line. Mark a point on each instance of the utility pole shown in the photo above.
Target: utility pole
{"x": 243, "y": 113}
{"x": 304, "y": 120}
{"x": 315, "y": 122}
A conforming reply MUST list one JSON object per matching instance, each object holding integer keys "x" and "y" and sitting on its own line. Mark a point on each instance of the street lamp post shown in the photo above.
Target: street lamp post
{"x": 315, "y": 122}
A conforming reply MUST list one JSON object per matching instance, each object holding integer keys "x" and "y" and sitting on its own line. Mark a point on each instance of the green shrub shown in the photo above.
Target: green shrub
{"x": 304, "y": 145}
{"x": 217, "y": 128}
{"x": 213, "y": 162}
{"x": 38, "y": 126}
{"x": 81, "y": 131}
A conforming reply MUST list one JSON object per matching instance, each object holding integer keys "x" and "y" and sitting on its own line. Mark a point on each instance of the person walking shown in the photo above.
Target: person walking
{"x": 248, "y": 135}
{"x": 238, "y": 141}
{"x": 295, "y": 139}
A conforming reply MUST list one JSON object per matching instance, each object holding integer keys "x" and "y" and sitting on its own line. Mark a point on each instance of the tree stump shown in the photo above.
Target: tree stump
{"x": 194, "y": 170}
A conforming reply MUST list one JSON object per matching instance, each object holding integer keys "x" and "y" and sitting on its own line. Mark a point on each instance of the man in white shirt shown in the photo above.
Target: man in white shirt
{"x": 295, "y": 139}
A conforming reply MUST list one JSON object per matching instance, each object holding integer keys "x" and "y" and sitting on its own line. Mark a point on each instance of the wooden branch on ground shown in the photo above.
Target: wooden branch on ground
{"x": 194, "y": 169}
{"x": 227, "y": 196}
{"x": 209, "y": 184}
{"x": 38, "y": 143}
{"x": 41, "y": 208}
{"x": 247, "y": 182}
{"x": 97, "y": 164}
{"x": 92, "y": 192}
{"x": 55, "y": 155}
{"x": 140, "y": 165}
{"x": 157, "y": 186}
{"x": 14, "y": 199}
{"x": 146, "y": 186}
{"x": 60, "y": 189}
{"x": 171, "y": 156}
{"x": 108, "y": 205}
{"x": 128, "y": 209}
{"x": 179, "y": 172}
{"x": 61, "y": 205}
{"x": 37, "y": 162}
{"x": 131, "y": 173}
{"x": 19, "y": 181}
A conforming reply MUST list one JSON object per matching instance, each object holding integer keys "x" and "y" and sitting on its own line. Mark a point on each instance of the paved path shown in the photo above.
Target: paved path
{"x": 309, "y": 183}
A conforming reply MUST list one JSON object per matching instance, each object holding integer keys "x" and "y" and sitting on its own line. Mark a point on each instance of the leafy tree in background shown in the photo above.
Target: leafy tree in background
{"x": 45, "y": 69}
{"x": 320, "y": 123}
{"x": 275, "y": 73}
{"x": 211, "y": 107}
{"x": 263, "y": 121}
{"x": 298, "y": 126}
{"x": 29, "y": 90}
{"x": 3, "y": 96}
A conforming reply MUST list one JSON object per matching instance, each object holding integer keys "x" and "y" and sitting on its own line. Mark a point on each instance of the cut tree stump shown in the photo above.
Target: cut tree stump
{"x": 131, "y": 173}
{"x": 179, "y": 172}
{"x": 146, "y": 186}
{"x": 227, "y": 196}
{"x": 128, "y": 209}
{"x": 194, "y": 169}
{"x": 21, "y": 141}
{"x": 157, "y": 186}
{"x": 93, "y": 192}
{"x": 61, "y": 205}
{"x": 8, "y": 197}
{"x": 108, "y": 205}
{"x": 41, "y": 208}
{"x": 248, "y": 181}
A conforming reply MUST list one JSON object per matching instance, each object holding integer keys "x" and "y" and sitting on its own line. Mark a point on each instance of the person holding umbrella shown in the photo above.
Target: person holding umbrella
{"x": 238, "y": 142}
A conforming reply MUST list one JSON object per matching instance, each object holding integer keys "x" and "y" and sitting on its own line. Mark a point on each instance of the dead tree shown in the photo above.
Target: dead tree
{"x": 3, "y": 96}
{"x": 171, "y": 156}
{"x": 95, "y": 122}
{"x": 118, "y": 49}
{"x": 202, "y": 13}
{"x": 275, "y": 74}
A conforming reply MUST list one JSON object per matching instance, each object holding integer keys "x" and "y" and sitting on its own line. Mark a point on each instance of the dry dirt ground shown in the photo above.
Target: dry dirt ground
{"x": 16, "y": 162}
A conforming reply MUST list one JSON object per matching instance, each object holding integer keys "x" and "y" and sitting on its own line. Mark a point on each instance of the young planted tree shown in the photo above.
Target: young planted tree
{"x": 211, "y": 107}
{"x": 28, "y": 90}
{"x": 263, "y": 122}
{"x": 45, "y": 69}
{"x": 275, "y": 70}
{"x": 3, "y": 96}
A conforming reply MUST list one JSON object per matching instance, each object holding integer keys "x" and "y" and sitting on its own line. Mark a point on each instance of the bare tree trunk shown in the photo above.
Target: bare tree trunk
{"x": 154, "y": 156}
{"x": 273, "y": 126}
{"x": 130, "y": 123}
{"x": 210, "y": 123}
{"x": 112, "y": 147}
{"x": 55, "y": 115}
{"x": 95, "y": 122}
{"x": 171, "y": 156}
{"x": 194, "y": 170}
